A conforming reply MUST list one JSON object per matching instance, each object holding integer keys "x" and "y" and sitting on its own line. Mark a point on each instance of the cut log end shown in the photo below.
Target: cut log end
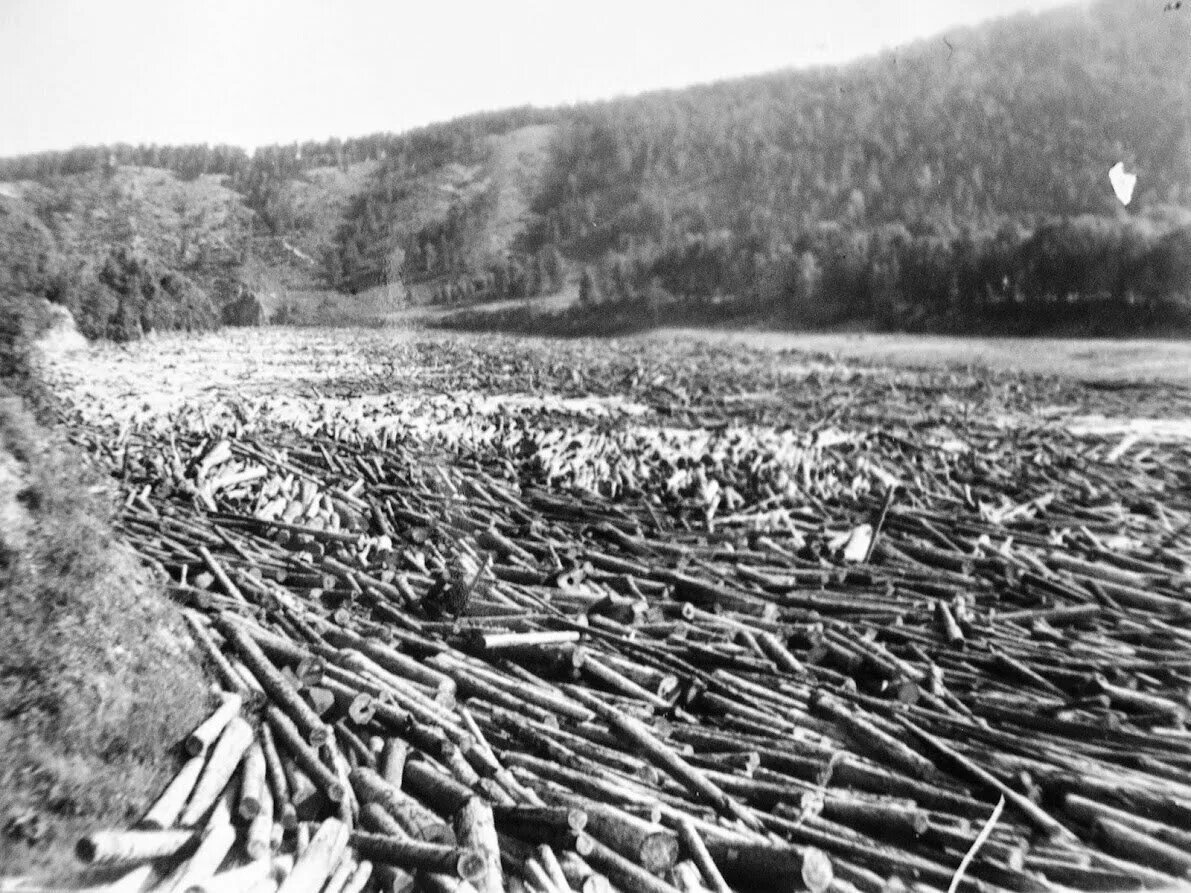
{"x": 470, "y": 865}
{"x": 85, "y": 850}
{"x": 817, "y": 872}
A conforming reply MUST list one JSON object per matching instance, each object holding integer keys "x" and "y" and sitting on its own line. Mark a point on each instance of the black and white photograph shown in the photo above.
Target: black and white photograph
{"x": 634, "y": 446}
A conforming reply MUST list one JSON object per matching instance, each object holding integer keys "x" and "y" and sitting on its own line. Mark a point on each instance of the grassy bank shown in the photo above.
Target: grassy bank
{"x": 97, "y": 676}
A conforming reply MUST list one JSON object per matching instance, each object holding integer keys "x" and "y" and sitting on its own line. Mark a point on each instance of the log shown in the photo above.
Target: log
{"x": 1138, "y": 846}
{"x": 623, "y": 872}
{"x": 686, "y": 877}
{"x": 288, "y": 736}
{"x": 340, "y": 874}
{"x": 415, "y": 819}
{"x": 316, "y": 860}
{"x": 280, "y": 691}
{"x": 259, "y": 837}
{"x": 205, "y": 734}
{"x": 125, "y": 848}
{"x": 226, "y": 755}
{"x": 475, "y": 830}
{"x": 392, "y": 761}
{"x": 275, "y": 775}
{"x": 168, "y": 807}
{"x": 647, "y": 843}
{"x": 554, "y": 869}
{"x": 687, "y": 649}
{"x": 235, "y": 880}
{"x": 761, "y": 864}
{"x": 666, "y": 759}
{"x": 540, "y": 824}
{"x": 253, "y": 783}
{"x": 440, "y": 792}
{"x": 359, "y": 878}
{"x": 1043, "y": 821}
{"x": 418, "y": 855}
{"x": 697, "y": 851}
{"x": 214, "y": 844}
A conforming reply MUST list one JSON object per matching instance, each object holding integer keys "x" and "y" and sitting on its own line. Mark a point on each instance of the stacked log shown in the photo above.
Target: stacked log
{"x": 812, "y": 662}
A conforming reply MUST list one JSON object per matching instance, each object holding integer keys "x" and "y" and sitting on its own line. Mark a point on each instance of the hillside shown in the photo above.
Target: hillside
{"x": 931, "y": 183}
{"x": 1019, "y": 118}
{"x": 424, "y": 216}
{"x": 518, "y": 161}
{"x": 317, "y": 200}
{"x": 960, "y": 182}
{"x": 198, "y": 226}
{"x": 128, "y": 250}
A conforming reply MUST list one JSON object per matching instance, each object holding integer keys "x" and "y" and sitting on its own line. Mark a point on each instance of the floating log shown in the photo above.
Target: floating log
{"x": 216, "y": 840}
{"x": 624, "y": 872}
{"x": 206, "y": 733}
{"x": 229, "y": 749}
{"x": 417, "y": 855}
{"x": 108, "y": 848}
{"x": 475, "y": 829}
{"x": 165, "y": 811}
{"x": 316, "y": 860}
{"x": 704, "y": 656}
{"x": 700, "y": 856}
{"x": 253, "y": 784}
{"x": 415, "y": 819}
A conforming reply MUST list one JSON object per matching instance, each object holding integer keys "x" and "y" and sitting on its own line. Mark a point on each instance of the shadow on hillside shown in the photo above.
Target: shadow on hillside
{"x": 1059, "y": 319}
{"x": 606, "y": 319}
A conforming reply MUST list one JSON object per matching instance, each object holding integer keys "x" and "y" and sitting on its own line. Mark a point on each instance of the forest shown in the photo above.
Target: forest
{"x": 949, "y": 184}
{"x": 932, "y": 186}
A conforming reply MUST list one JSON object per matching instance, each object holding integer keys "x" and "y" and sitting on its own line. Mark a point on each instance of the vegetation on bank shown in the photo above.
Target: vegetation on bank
{"x": 118, "y": 288}
{"x": 98, "y": 679}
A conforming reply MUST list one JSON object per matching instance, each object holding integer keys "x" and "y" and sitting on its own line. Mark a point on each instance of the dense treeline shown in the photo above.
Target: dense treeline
{"x": 186, "y": 161}
{"x": 1021, "y": 118}
{"x": 515, "y": 276}
{"x": 276, "y": 162}
{"x": 1056, "y": 273}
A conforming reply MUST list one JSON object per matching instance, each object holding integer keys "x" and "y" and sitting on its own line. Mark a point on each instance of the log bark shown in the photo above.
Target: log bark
{"x": 206, "y": 732}
{"x": 475, "y": 829}
{"x": 315, "y": 862}
{"x": 417, "y": 855}
{"x": 253, "y": 783}
{"x": 122, "y": 848}
{"x": 226, "y": 755}
{"x": 415, "y": 819}
{"x": 697, "y": 851}
{"x": 164, "y": 813}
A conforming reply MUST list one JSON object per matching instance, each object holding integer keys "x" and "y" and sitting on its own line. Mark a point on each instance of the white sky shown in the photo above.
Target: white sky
{"x": 251, "y": 72}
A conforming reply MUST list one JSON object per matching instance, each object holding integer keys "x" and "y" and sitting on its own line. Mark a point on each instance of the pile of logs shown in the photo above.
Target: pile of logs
{"x": 816, "y": 669}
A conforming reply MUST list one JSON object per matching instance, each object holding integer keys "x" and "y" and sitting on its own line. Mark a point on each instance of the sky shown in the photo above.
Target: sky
{"x": 254, "y": 72}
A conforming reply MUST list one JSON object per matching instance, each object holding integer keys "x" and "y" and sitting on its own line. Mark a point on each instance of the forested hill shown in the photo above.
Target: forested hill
{"x": 951, "y": 179}
{"x": 963, "y": 171}
{"x": 1017, "y": 118}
